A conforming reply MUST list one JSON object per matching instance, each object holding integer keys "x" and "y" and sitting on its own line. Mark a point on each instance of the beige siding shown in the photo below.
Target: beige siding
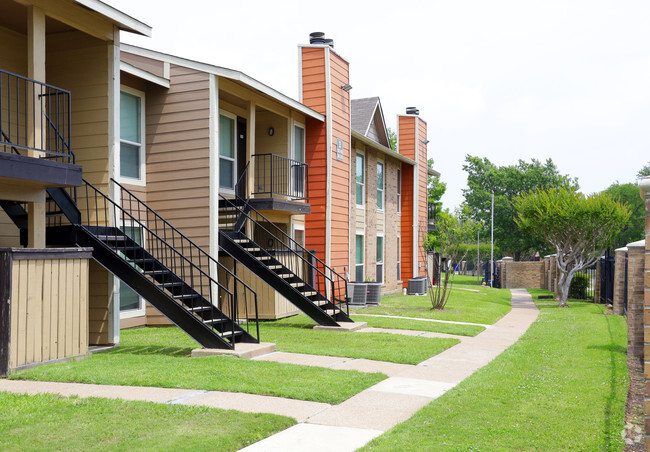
{"x": 9, "y": 232}
{"x": 101, "y": 289}
{"x": 49, "y": 310}
{"x": 13, "y": 57}
{"x": 146, "y": 64}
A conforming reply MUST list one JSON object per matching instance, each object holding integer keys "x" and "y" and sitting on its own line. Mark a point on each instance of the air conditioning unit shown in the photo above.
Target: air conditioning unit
{"x": 417, "y": 286}
{"x": 358, "y": 292}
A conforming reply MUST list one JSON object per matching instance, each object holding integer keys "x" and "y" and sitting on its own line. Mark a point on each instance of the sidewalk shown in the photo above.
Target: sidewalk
{"x": 354, "y": 422}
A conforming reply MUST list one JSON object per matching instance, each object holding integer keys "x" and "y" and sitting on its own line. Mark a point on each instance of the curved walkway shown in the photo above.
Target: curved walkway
{"x": 354, "y": 422}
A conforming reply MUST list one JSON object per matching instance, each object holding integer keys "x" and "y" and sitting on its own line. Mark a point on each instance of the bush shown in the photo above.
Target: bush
{"x": 579, "y": 285}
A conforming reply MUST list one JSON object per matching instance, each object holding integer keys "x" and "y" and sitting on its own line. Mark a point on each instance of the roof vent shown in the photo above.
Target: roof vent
{"x": 318, "y": 37}
{"x": 412, "y": 111}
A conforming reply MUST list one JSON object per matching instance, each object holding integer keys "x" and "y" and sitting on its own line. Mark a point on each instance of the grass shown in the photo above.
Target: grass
{"x": 296, "y": 335}
{"x": 484, "y": 307}
{"x": 50, "y": 422}
{"x": 145, "y": 358}
{"x": 562, "y": 386}
{"x": 419, "y": 325}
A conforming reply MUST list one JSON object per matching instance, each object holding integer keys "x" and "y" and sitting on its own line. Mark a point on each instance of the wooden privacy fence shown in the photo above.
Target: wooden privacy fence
{"x": 43, "y": 305}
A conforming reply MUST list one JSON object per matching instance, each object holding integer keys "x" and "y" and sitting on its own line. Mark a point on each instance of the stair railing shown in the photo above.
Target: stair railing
{"x": 173, "y": 250}
{"x": 275, "y": 243}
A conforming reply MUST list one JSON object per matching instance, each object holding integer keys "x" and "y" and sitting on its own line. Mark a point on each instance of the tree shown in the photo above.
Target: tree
{"x": 507, "y": 182}
{"x": 451, "y": 231}
{"x": 392, "y": 139}
{"x": 635, "y": 229}
{"x": 579, "y": 227}
{"x": 644, "y": 172}
{"x": 435, "y": 189}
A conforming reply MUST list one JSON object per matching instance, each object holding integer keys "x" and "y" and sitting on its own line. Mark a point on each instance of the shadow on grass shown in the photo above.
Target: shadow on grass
{"x": 613, "y": 349}
{"x": 151, "y": 350}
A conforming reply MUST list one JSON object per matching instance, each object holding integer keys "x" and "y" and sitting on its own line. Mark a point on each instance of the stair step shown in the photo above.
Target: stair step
{"x": 214, "y": 321}
{"x": 274, "y": 267}
{"x": 253, "y": 249}
{"x": 112, "y": 238}
{"x": 297, "y": 284}
{"x": 320, "y": 302}
{"x": 285, "y": 275}
{"x": 230, "y": 333}
{"x": 309, "y": 293}
{"x": 241, "y": 240}
{"x": 157, "y": 272}
{"x": 186, "y": 296}
{"x": 263, "y": 258}
{"x": 171, "y": 284}
{"x": 199, "y": 309}
{"x": 226, "y": 225}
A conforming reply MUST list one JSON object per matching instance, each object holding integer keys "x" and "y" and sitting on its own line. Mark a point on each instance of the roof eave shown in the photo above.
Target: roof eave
{"x": 226, "y": 73}
{"x": 381, "y": 148}
{"x": 124, "y": 21}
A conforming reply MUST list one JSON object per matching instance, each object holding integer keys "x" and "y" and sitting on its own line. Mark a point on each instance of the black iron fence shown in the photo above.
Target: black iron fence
{"x": 607, "y": 266}
{"x": 275, "y": 175}
{"x": 34, "y": 117}
{"x": 583, "y": 284}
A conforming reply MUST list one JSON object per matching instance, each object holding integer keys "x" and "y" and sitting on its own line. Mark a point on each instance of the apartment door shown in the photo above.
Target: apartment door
{"x": 241, "y": 153}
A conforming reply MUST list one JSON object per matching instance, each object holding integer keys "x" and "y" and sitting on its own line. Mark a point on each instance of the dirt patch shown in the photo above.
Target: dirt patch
{"x": 633, "y": 432}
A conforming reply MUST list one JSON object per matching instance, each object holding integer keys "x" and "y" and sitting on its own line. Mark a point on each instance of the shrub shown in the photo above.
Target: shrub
{"x": 579, "y": 285}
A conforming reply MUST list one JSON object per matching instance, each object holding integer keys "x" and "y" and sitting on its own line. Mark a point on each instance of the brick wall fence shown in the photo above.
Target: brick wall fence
{"x": 529, "y": 275}
{"x": 644, "y": 186}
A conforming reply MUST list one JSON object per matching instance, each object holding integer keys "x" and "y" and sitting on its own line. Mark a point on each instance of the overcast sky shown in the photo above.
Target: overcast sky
{"x": 567, "y": 80}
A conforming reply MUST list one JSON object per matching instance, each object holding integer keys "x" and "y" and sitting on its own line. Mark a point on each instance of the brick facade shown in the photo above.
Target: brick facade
{"x": 620, "y": 259}
{"x": 644, "y": 186}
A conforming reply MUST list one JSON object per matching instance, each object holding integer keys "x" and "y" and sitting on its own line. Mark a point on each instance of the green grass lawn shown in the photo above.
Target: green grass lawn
{"x": 160, "y": 357}
{"x": 296, "y": 335}
{"x": 561, "y": 387}
{"x": 419, "y": 325}
{"x": 50, "y": 422}
{"x": 485, "y": 307}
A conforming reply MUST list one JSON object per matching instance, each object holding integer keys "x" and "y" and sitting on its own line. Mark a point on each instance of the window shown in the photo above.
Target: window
{"x": 131, "y": 304}
{"x": 399, "y": 191}
{"x": 227, "y": 152}
{"x": 380, "y": 259}
{"x": 399, "y": 258}
{"x": 298, "y": 176}
{"x": 131, "y": 135}
{"x": 361, "y": 179}
{"x": 359, "y": 267}
{"x": 380, "y": 186}
{"x": 299, "y": 235}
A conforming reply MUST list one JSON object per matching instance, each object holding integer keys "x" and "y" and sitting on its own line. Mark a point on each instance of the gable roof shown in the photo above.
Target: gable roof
{"x": 367, "y": 119}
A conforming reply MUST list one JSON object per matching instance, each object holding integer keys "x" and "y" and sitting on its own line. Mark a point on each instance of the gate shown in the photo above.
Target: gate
{"x": 607, "y": 265}
{"x": 583, "y": 284}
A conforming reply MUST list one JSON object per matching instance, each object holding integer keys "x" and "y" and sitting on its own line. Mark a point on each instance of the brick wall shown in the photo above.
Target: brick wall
{"x": 635, "y": 290}
{"x": 529, "y": 275}
{"x": 644, "y": 186}
{"x": 619, "y": 281}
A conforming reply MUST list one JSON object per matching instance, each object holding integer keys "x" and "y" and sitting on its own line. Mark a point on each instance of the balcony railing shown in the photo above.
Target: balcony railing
{"x": 34, "y": 118}
{"x": 278, "y": 176}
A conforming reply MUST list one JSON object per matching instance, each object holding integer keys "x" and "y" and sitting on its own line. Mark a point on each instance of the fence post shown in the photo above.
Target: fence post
{"x": 635, "y": 289}
{"x": 619, "y": 281}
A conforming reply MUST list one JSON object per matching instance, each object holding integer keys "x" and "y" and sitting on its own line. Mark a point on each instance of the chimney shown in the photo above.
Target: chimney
{"x": 318, "y": 37}
{"x": 412, "y": 111}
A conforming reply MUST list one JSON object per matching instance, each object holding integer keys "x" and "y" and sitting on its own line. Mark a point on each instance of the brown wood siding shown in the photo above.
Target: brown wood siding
{"x": 406, "y": 131}
{"x": 407, "y": 224}
{"x": 49, "y": 310}
{"x": 155, "y": 67}
{"x": 80, "y": 64}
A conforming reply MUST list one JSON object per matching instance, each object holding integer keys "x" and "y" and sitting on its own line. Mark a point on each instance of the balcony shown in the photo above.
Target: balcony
{"x": 35, "y": 132}
{"x": 276, "y": 183}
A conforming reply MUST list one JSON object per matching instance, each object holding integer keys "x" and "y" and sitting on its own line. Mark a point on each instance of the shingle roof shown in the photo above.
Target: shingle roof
{"x": 367, "y": 119}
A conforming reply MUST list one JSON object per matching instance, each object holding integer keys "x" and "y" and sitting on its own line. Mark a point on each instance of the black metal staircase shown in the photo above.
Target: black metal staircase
{"x": 167, "y": 269}
{"x": 290, "y": 269}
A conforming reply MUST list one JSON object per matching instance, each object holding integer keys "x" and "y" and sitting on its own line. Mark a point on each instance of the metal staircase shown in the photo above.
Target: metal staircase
{"x": 166, "y": 268}
{"x": 286, "y": 266}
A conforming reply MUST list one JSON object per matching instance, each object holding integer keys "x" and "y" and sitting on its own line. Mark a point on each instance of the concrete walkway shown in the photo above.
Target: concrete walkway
{"x": 356, "y": 421}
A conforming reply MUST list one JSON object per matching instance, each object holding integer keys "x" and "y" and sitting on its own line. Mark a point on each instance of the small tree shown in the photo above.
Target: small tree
{"x": 451, "y": 231}
{"x": 579, "y": 227}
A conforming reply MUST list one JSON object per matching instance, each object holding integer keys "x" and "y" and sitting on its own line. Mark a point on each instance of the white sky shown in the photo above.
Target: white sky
{"x": 567, "y": 80}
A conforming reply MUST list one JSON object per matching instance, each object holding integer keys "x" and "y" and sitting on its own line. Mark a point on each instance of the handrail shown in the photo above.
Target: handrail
{"x": 293, "y": 248}
{"x": 166, "y": 251}
{"x": 31, "y": 120}
{"x": 281, "y": 176}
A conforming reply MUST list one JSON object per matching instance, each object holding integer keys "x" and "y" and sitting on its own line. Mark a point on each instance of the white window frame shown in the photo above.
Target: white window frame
{"x": 131, "y": 313}
{"x": 399, "y": 258}
{"x": 362, "y": 184}
{"x": 229, "y": 190}
{"x": 142, "y": 180}
{"x": 363, "y": 256}
{"x": 293, "y": 141}
{"x": 383, "y": 260}
{"x": 399, "y": 190}
{"x": 381, "y": 193}
{"x": 298, "y": 227}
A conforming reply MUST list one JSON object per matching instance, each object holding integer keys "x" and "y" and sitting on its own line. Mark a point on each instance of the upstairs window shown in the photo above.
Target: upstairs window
{"x": 227, "y": 152}
{"x": 380, "y": 259}
{"x": 131, "y": 135}
{"x": 359, "y": 270}
{"x": 380, "y": 186}
{"x": 360, "y": 179}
